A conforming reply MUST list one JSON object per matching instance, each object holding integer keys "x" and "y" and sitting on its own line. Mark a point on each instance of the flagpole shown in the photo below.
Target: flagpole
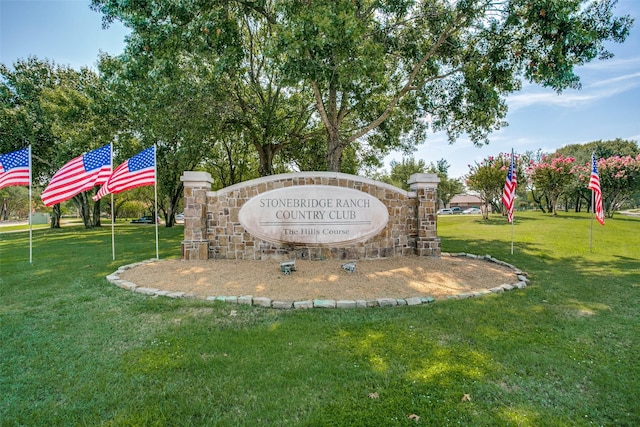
{"x": 113, "y": 240}
{"x": 513, "y": 199}
{"x": 511, "y": 236}
{"x": 593, "y": 207}
{"x": 155, "y": 196}
{"x": 30, "y": 211}
{"x": 512, "y": 170}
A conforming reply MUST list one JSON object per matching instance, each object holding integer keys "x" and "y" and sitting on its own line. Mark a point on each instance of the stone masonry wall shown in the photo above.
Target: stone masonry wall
{"x": 213, "y": 230}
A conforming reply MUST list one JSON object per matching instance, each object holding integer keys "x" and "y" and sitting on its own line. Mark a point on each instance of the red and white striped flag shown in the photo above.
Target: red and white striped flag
{"x": 14, "y": 168}
{"x": 509, "y": 192}
{"x": 137, "y": 171}
{"x": 78, "y": 175}
{"x": 594, "y": 186}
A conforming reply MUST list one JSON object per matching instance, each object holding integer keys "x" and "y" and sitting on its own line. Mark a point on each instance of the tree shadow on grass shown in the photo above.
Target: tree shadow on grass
{"x": 620, "y": 217}
{"x": 502, "y": 220}
{"x": 552, "y": 353}
{"x": 560, "y": 352}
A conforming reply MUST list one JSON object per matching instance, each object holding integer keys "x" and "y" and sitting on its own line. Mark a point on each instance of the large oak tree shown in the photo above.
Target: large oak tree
{"x": 386, "y": 72}
{"x": 377, "y": 68}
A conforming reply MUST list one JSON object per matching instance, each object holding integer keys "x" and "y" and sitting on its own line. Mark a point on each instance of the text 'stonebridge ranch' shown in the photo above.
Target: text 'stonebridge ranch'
{"x": 314, "y": 214}
{"x": 309, "y": 215}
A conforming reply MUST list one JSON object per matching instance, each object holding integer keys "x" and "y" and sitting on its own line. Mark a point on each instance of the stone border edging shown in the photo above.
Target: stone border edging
{"x": 523, "y": 282}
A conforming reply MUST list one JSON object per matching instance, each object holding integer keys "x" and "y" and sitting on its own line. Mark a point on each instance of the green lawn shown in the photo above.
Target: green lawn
{"x": 76, "y": 350}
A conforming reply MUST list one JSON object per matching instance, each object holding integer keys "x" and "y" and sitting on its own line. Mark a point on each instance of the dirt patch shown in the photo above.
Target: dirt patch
{"x": 400, "y": 277}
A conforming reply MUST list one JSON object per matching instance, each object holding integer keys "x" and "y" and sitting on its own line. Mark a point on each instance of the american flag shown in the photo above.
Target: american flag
{"x": 14, "y": 168}
{"x": 78, "y": 175}
{"x": 138, "y": 171}
{"x": 594, "y": 185}
{"x": 509, "y": 192}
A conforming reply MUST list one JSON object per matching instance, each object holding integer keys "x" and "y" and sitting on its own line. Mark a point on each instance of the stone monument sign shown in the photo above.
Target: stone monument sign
{"x": 309, "y": 215}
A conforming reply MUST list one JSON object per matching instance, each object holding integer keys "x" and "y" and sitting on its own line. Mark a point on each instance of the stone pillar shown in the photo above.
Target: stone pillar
{"x": 195, "y": 245}
{"x": 425, "y": 186}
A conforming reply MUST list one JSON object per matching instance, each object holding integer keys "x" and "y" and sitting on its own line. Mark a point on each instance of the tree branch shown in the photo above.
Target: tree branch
{"x": 408, "y": 86}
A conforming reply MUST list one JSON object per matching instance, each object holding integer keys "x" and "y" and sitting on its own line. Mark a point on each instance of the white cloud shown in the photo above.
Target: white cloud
{"x": 619, "y": 79}
{"x": 614, "y": 64}
{"x": 591, "y": 93}
{"x": 523, "y": 100}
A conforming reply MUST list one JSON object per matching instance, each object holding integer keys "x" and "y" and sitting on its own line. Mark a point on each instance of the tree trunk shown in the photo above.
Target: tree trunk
{"x": 485, "y": 210}
{"x": 55, "y": 216}
{"x": 170, "y": 216}
{"x": 334, "y": 150}
{"x": 85, "y": 213}
{"x": 587, "y": 203}
{"x": 554, "y": 205}
{"x": 537, "y": 200}
{"x": 331, "y": 117}
{"x": 549, "y": 203}
{"x": 82, "y": 203}
{"x": 266, "y": 153}
{"x": 96, "y": 214}
{"x": 4, "y": 211}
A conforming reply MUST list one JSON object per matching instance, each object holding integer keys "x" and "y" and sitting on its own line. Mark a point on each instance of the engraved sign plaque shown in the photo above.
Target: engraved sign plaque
{"x": 314, "y": 215}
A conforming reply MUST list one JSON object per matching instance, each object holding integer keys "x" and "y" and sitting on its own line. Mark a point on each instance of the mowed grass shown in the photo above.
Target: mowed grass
{"x": 76, "y": 350}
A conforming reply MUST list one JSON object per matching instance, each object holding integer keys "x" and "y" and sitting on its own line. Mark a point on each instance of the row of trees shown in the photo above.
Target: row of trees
{"x": 401, "y": 171}
{"x": 248, "y": 88}
{"x": 14, "y": 203}
{"x": 563, "y": 176}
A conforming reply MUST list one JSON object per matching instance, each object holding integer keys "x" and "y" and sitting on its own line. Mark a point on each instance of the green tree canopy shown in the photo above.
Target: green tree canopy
{"x": 601, "y": 149}
{"x": 60, "y": 112}
{"x": 447, "y": 187}
{"x": 577, "y": 192}
{"x": 383, "y": 73}
{"x": 377, "y": 68}
{"x": 402, "y": 170}
{"x": 488, "y": 177}
{"x": 553, "y": 176}
{"x": 619, "y": 179}
{"x": 23, "y": 120}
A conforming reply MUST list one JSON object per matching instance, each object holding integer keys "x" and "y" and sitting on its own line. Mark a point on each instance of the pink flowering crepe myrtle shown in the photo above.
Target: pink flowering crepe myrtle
{"x": 619, "y": 179}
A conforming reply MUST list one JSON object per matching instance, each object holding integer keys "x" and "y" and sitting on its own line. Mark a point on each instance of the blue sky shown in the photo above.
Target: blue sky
{"x": 607, "y": 106}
